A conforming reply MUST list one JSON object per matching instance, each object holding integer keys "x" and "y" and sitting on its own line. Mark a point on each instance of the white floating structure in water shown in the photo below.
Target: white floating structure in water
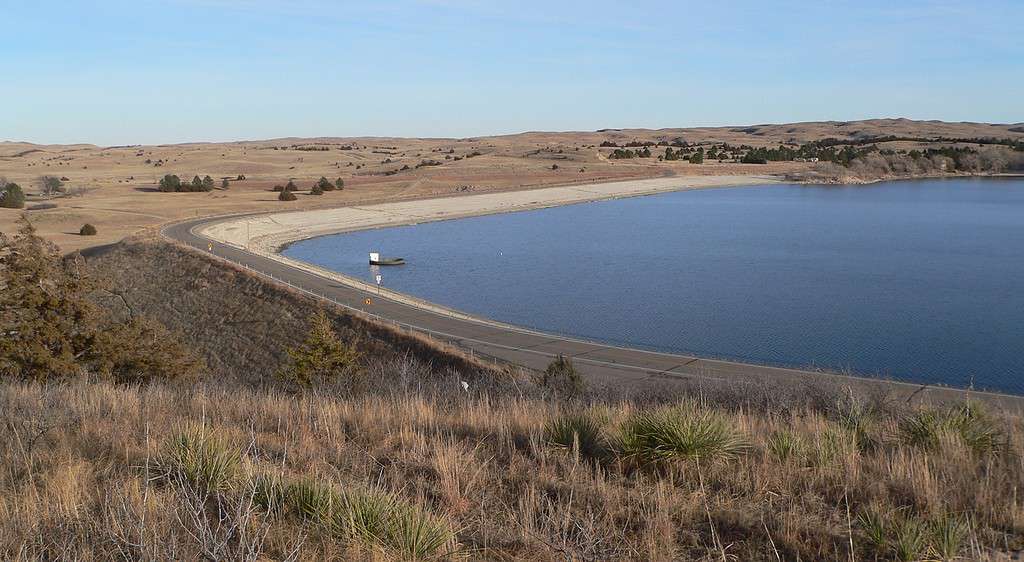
{"x": 375, "y": 259}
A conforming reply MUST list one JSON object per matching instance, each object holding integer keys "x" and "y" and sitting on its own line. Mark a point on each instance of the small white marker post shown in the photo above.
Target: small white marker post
{"x": 379, "y": 279}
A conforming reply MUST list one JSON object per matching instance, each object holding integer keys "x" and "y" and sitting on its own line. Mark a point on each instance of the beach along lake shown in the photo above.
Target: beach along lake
{"x": 920, "y": 281}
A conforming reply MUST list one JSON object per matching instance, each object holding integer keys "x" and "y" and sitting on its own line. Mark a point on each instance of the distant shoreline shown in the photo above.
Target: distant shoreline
{"x": 859, "y": 181}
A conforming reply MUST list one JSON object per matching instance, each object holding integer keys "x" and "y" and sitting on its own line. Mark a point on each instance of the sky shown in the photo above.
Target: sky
{"x": 161, "y": 71}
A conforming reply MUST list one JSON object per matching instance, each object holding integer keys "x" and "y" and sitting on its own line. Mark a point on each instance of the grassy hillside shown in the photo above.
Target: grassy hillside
{"x": 97, "y": 471}
{"x": 240, "y": 324}
{"x": 394, "y": 458}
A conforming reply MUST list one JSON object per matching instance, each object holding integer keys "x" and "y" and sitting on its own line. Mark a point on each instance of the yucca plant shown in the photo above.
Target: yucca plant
{"x": 677, "y": 434}
{"x": 313, "y": 501}
{"x": 268, "y": 491}
{"x": 909, "y": 540}
{"x": 873, "y": 524}
{"x": 947, "y": 537}
{"x": 862, "y": 423}
{"x": 832, "y": 444}
{"x": 365, "y": 514}
{"x": 785, "y": 445}
{"x": 580, "y": 433}
{"x": 398, "y": 529}
{"x": 966, "y": 423}
{"x": 198, "y": 456}
{"x": 921, "y": 429}
{"x": 414, "y": 534}
{"x": 975, "y": 429}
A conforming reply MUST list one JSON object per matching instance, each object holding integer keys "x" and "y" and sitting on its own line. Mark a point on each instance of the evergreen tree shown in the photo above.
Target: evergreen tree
{"x": 12, "y": 197}
{"x": 207, "y": 183}
{"x": 170, "y": 183}
{"x": 322, "y": 357}
{"x": 339, "y": 183}
{"x": 324, "y": 184}
{"x": 561, "y": 376}
{"x": 53, "y": 330}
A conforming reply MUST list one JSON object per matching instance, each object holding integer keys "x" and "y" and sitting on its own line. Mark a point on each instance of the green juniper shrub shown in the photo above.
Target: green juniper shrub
{"x": 55, "y": 331}
{"x": 562, "y": 377}
{"x": 322, "y": 357}
{"x": 170, "y": 183}
{"x": 324, "y": 184}
{"x": 12, "y": 197}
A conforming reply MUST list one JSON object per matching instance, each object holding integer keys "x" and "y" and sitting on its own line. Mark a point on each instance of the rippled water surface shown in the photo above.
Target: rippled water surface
{"x": 919, "y": 280}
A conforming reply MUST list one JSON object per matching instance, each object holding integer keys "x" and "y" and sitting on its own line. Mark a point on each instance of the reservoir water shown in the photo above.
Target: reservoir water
{"x": 914, "y": 280}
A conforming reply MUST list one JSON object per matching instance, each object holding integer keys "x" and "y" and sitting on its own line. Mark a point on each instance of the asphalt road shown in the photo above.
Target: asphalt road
{"x": 598, "y": 362}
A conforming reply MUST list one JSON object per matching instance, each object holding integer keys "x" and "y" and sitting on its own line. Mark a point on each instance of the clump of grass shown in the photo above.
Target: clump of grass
{"x": 313, "y": 501}
{"x": 785, "y": 445}
{"x": 579, "y": 433}
{"x": 909, "y": 540}
{"x": 376, "y": 519}
{"x": 400, "y": 530}
{"x": 904, "y": 537}
{"x": 198, "y": 456}
{"x": 861, "y": 422}
{"x": 975, "y": 429}
{"x": 921, "y": 429}
{"x": 414, "y": 534}
{"x": 832, "y": 445}
{"x": 873, "y": 524}
{"x": 967, "y": 423}
{"x": 677, "y": 434}
{"x": 268, "y": 491}
{"x": 947, "y": 537}
{"x": 365, "y": 515}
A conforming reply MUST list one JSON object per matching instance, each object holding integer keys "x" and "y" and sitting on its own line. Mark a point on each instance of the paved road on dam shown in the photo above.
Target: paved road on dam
{"x": 534, "y": 350}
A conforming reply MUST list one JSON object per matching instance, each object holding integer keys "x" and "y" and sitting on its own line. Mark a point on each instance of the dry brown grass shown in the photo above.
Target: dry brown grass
{"x": 79, "y": 479}
{"x": 115, "y": 185}
{"x": 237, "y": 321}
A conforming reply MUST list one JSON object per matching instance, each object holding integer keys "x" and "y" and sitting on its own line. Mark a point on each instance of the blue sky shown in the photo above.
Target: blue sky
{"x": 151, "y": 71}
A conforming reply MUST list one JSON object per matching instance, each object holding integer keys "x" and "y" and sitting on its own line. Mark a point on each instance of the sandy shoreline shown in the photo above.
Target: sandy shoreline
{"x": 267, "y": 234}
